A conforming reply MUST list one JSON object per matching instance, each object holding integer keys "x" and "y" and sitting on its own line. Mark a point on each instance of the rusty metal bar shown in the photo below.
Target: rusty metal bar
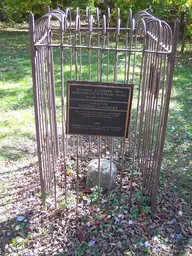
{"x": 46, "y": 109}
{"x": 45, "y": 164}
{"x": 52, "y": 114}
{"x": 143, "y": 44}
{"x": 165, "y": 117}
{"x": 36, "y": 107}
{"x": 100, "y": 48}
{"x": 77, "y": 174}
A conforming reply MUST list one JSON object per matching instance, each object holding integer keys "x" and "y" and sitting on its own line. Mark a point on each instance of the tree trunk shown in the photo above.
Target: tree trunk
{"x": 186, "y": 21}
{"x": 54, "y": 4}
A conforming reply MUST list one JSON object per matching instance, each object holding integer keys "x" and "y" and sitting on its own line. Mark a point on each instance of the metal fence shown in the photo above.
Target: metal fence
{"x": 89, "y": 47}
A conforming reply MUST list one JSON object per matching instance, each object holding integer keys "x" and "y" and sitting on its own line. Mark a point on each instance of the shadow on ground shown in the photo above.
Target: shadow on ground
{"x": 27, "y": 229}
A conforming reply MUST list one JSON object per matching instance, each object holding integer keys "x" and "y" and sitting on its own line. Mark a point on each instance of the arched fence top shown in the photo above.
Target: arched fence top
{"x": 141, "y": 24}
{"x": 94, "y": 51}
{"x": 43, "y": 24}
{"x": 158, "y": 29}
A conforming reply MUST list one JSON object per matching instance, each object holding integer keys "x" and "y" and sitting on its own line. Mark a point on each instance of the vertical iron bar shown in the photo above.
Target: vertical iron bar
{"x": 36, "y": 108}
{"x": 122, "y": 169}
{"x": 55, "y": 130}
{"x": 46, "y": 105}
{"x": 167, "y": 101}
{"x": 139, "y": 100}
{"x": 99, "y": 168}
{"x": 51, "y": 107}
{"x": 80, "y": 70}
{"x": 99, "y": 58}
{"x": 153, "y": 171}
{"x": 108, "y": 23}
{"x": 63, "y": 104}
{"x": 41, "y": 118}
{"x": 77, "y": 175}
{"x": 90, "y": 20}
{"x": 111, "y": 162}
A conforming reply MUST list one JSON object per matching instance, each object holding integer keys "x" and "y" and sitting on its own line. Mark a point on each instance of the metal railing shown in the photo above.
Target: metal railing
{"x": 141, "y": 52}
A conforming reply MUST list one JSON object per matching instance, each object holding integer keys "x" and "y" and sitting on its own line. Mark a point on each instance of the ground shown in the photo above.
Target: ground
{"x": 27, "y": 229}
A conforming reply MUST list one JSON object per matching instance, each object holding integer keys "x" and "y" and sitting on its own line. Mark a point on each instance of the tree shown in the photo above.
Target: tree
{"x": 168, "y": 10}
{"x": 18, "y": 10}
{"x": 171, "y": 10}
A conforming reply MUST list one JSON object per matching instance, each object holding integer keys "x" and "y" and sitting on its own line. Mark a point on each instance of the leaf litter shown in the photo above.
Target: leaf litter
{"x": 27, "y": 229}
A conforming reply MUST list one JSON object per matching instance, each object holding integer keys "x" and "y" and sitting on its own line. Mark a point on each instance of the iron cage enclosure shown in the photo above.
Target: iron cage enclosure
{"x": 89, "y": 47}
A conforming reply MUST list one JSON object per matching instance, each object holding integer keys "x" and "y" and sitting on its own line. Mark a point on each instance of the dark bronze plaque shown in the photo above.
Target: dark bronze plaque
{"x": 101, "y": 109}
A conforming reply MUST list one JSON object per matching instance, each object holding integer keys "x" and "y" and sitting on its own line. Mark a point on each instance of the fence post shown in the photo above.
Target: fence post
{"x": 166, "y": 109}
{"x": 36, "y": 106}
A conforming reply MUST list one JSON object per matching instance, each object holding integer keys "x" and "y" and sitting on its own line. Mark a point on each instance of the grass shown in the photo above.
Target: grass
{"x": 16, "y": 101}
{"x": 17, "y": 127}
{"x": 178, "y": 151}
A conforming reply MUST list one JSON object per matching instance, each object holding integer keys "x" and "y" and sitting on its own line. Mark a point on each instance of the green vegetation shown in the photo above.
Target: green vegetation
{"x": 17, "y": 119}
{"x": 169, "y": 10}
{"x": 179, "y": 133}
{"x": 17, "y": 153}
{"x": 17, "y": 11}
{"x": 16, "y": 101}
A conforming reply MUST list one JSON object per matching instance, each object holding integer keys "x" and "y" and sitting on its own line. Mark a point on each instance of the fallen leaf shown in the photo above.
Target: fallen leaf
{"x": 84, "y": 198}
{"x": 88, "y": 224}
{"x": 97, "y": 223}
{"x": 17, "y": 228}
{"x": 19, "y": 239}
{"x": 142, "y": 214}
{"x": 120, "y": 232}
{"x": 102, "y": 216}
{"x": 87, "y": 191}
{"x": 20, "y": 218}
{"x": 172, "y": 235}
{"x": 131, "y": 222}
{"x": 116, "y": 220}
{"x": 147, "y": 244}
{"x": 178, "y": 236}
{"x": 68, "y": 172}
{"x": 91, "y": 243}
{"x": 162, "y": 216}
{"x": 119, "y": 245}
{"x": 80, "y": 235}
{"x": 173, "y": 220}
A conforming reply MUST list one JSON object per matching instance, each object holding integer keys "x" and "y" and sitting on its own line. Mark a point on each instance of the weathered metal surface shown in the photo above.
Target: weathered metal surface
{"x": 141, "y": 53}
{"x": 101, "y": 109}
